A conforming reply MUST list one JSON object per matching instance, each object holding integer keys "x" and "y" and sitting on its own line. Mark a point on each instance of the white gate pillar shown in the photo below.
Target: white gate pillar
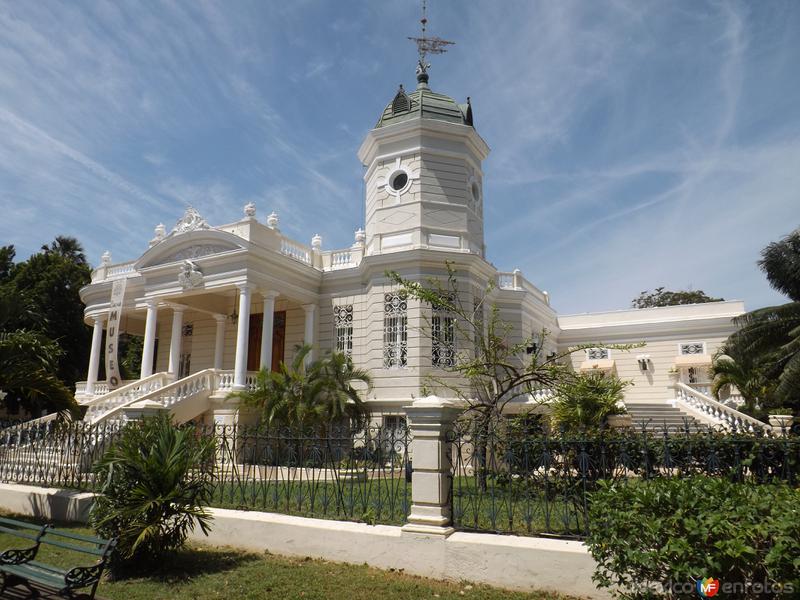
{"x": 149, "y": 339}
{"x": 242, "y": 339}
{"x": 430, "y": 419}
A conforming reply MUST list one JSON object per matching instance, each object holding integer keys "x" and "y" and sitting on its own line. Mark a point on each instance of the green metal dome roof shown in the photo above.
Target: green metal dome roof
{"x": 425, "y": 104}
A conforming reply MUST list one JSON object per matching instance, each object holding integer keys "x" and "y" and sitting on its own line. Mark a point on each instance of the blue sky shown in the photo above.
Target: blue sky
{"x": 634, "y": 143}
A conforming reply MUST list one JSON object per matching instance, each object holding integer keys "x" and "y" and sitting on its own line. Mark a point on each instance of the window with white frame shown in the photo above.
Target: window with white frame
{"x": 394, "y": 424}
{"x": 443, "y": 336}
{"x": 343, "y": 328}
{"x": 689, "y": 348}
{"x": 395, "y": 330}
{"x": 598, "y": 353}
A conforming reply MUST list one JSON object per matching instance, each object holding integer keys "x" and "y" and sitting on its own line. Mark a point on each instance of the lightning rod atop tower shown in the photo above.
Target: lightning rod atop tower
{"x": 427, "y": 45}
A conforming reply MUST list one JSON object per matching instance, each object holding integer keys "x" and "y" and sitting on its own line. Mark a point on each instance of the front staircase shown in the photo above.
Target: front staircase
{"x": 662, "y": 416}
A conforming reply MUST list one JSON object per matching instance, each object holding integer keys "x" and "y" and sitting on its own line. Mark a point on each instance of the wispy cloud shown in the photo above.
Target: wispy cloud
{"x": 635, "y": 143}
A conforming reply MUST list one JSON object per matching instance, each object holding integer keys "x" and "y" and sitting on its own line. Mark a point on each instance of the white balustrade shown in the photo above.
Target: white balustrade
{"x": 725, "y": 416}
{"x": 505, "y": 281}
{"x": 341, "y": 259}
{"x": 100, "y": 407}
{"x": 107, "y": 272}
{"x": 296, "y": 251}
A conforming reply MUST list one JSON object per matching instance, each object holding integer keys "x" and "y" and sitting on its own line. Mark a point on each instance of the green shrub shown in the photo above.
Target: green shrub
{"x": 586, "y": 400}
{"x": 675, "y": 531}
{"x": 154, "y": 491}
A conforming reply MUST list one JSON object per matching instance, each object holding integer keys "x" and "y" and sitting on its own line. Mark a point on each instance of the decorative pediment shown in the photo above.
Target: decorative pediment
{"x": 191, "y": 246}
{"x": 192, "y": 252}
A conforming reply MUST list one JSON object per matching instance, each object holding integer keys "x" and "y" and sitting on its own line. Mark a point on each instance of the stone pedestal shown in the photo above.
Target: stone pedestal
{"x": 429, "y": 420}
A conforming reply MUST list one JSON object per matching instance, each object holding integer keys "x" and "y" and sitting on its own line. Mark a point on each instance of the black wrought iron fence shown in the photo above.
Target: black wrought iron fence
{"x": 54, "y": 453}
{"x": 508, "y": 481}
{"x": 335, "y": 473}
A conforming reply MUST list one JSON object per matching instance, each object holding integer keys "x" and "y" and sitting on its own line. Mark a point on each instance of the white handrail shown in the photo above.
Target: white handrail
{"x": 723, "y": 415}
{"x": 207, "y": 380}
{"x": 98, "y": 407}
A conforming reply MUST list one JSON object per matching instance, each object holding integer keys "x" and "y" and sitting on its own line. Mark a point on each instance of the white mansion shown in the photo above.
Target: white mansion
{"x": 216, "y": 303}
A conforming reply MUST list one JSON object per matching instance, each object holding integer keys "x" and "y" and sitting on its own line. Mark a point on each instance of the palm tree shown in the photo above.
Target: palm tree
{"x": 155, "y": 489}
{"x": 743, "y": 372}
{"x": 68, "y": 248}
{"x": 338, "y": 396}
{"x": 771, "y": 335}
{"x": 303, "y": 396}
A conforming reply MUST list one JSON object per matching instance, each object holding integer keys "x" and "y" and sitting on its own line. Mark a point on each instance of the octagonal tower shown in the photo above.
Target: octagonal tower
{"x": 424, "y": 179}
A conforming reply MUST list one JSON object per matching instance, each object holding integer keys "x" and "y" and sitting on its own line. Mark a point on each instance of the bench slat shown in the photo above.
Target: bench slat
{"x": 73, "y": 547}
{"x": 77, "y": 536}
{"x": 20, "y": 524}
{"x": 18, "y": 533}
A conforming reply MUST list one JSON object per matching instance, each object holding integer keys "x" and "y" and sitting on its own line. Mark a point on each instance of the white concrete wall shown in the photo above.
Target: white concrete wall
{"x": 505, "y": 561}
{"x": 518, "y": 563}
{"x": 47, "y": 504}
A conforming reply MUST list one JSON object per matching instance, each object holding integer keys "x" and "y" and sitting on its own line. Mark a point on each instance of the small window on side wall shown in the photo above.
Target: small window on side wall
{"x": 689, "y": 348}
{"x": 598, "y": 353}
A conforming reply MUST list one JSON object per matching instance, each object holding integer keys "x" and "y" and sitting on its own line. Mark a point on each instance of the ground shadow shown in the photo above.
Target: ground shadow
{"x": 186, "y": 564}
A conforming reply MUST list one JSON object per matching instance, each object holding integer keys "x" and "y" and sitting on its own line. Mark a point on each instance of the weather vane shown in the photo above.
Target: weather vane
{"x": 427, "y": 45}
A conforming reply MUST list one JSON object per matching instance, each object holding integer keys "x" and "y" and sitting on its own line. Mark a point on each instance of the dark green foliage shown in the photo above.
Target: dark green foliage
{"x": 41, "y": 317}
{"x": 586, "y": 400}
{"x": 301, "y": 396}
{"x": 771, "y": 335}
{"x": 663, "y": 297}
{"x": 51, "y": 279}
{"x": 28, "y": 376}
{"x": 678, "y": 530}
{"x": 154, "y": 491}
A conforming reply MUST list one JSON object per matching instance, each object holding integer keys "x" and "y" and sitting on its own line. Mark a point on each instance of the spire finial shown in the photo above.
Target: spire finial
{"x": 427, "y": 45}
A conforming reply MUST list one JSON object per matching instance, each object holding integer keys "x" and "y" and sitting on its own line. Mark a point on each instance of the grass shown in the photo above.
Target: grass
{"x": 205, "y": 573}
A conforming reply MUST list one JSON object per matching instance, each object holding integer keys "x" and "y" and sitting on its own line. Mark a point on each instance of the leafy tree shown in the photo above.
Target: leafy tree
{"x": 585, "y": 401}
{"x": 27, "y": 376}
{"x": 29, "y": 360}
{"x": 51, "y": 280}
{"x": 663, "y": 297}
{"x": 503, "y": 366}
{"x": 155, "y": 489}
{"x": 499, "y": 368}
{"x": 316, "y": 395}
{"x": 7, "y": 254}
{"x": 772, "y": 334}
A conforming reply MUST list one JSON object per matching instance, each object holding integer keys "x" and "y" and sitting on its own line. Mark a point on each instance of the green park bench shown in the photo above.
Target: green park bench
{"x": 18, "y": 565}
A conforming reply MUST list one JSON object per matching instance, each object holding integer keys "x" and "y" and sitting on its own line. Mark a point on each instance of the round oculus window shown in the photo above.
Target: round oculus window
{"x": 399, "y": 181}
{"x": 476, "y": 191}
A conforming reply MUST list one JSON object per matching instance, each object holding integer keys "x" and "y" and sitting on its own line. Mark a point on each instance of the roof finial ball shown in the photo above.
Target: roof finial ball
{"x": 105, "y": 259}
{"x": 249, "y": 210}
{"x": 272, "y": 220}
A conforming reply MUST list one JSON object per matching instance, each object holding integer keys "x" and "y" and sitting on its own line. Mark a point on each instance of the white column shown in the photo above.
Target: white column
{"x": 219, "y": 344}
{"x": 94, "y": 355}
{"x": 265, "y": 361}
{"x": 242, "y": 338}
{"x": 176, "y": 341}
{"x": 308, "y": 337}
{"x": 149, "y": 339}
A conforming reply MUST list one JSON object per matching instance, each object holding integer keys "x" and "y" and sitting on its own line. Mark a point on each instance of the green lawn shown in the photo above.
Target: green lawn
{"x": 201, "y": 572}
